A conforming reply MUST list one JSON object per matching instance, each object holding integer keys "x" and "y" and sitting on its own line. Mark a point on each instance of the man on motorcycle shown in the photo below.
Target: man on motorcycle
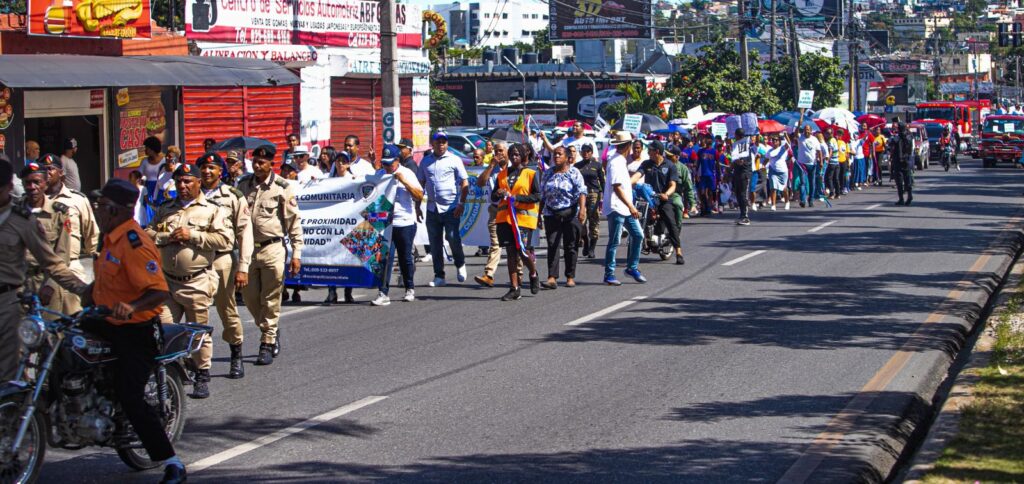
{"x": 129, "y": 281}
{"x": 948, "y": 146}
{"x": 663, "y": 178}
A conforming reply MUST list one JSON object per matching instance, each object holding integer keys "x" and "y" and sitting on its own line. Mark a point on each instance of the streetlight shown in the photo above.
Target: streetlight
{"x": 516, "y": 68}
{"x": 593, "y": 84}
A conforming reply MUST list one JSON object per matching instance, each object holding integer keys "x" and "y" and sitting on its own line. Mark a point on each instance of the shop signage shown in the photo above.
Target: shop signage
{"x": 144, "y": 114}
{"x": 113, "y": 19}
{"x": 906, "y": 66}
{"x": 274, "y": 53}
{"x": 600, "y": 19}
{"x": 337, "y": 23}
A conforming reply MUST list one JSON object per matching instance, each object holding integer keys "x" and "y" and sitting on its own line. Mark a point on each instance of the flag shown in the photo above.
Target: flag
{"x": 601, "y": 126}
{"x": 520, "y": 243}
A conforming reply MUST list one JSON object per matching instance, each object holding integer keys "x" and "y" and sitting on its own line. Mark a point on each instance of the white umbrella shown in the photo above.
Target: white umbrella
{"x": 839, "y": 117}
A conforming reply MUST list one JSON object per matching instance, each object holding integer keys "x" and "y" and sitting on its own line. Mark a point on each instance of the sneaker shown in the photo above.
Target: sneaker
{"x": 612, "y": 281}
{"x": 636, "y": 275}
{"x": 802, "y": 204}
{"x": 410, "y": 295}
{"x": 461, "y": 273}
{"x": 424, "y": 258}
{"x": 773, "y": 208}
{"x": 513, "y": 294}
{"x": 437, "y": 282}
{"x": 859, "y": 188}
{"x": 484, "y": 280}
{"x": 787, "y": 205}
{"x": 744, "y": 221}
{"x": 957, "y": 167}
{"x": 534, "y": 283}
{"x": 754, "y": 207}
{"x": 382, "y": 300}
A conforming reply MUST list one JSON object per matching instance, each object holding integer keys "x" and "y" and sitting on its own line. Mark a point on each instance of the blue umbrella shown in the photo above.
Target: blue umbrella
{"x": 240, "y": 143}
{"x": 792, "y": 126}
{"x": 674, "y": 128}
{"x": 785, "y": 117}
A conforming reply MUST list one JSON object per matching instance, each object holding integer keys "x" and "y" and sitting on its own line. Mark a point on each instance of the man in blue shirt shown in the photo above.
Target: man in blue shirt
{"x": 446, "y": 185}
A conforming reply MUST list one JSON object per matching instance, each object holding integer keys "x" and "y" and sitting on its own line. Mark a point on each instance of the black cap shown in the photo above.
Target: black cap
{"x": 121, "y": 192}
{"x": 405, "y": 143}
{"x": 265, "y": 151}
{"x": 70, "y": 143}
{"x": 49, "y": 160}
{"x": 186, "y": 169}
{"x": 6, "y": 170}
{"x": 675, "y": 151}
{"x": 289, "y": 166}
{"x": 656, "y": 146}
{"x": 210, "y": 158}
{"x": 32, "y": 168}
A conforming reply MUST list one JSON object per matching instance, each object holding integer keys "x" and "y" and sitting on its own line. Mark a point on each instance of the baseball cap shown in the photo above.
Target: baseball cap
{"x": 233, "y": 155}
{"x": 343, "y": 156}
{"x": 390, "y": 154}
{"x": 656, "y": 146}
{"x": 405, "y": 143}
{"x": 439, "y": 134}
{"x": 70, "y": 143}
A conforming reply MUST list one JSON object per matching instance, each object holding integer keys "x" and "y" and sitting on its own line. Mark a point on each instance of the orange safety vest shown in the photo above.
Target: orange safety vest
{"x": 526, "y": 213}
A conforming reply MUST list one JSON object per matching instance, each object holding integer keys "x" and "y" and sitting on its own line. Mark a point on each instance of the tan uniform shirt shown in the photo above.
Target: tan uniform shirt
{"x": 240, "y": 221}
{"x": 85, "y": 234}
{"x": 56, "y": 222}
{"x": 275, "y": 212}
{"x": 208, "y": 234}
{"x": 19, "y": 230}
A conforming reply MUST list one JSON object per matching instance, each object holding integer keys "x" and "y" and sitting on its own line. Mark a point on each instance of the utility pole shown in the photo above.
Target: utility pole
{"x": 744, "y": 60}
{"x": 938, "y": 59}
{"x": 389, "y": 94}
{"x": 796, "y": 54}
{"x": 1017, "y": 73}
{"x": 772, "y": 52}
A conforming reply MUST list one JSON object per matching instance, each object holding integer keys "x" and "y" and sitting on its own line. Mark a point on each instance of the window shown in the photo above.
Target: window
{"x": 487, "y": 15}
{"x": 533, "y": 16}
{"x": 545, "y": 17}
{"x": 526, "y": 33}
{"x": 526, "y": 15}
{"x": 504, "y": 33}
{"x": 504, "y": 15}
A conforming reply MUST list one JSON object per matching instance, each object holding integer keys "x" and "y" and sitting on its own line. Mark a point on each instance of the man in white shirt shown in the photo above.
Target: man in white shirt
{"x": 360, "y": 166}
{"x": 406, "y": 192}
{"x": 306, "y": 170}
{"x": 620, "y": 211}
{"x": 575, "y": 138}
{"x": 808, "y": 158}
{"x": 71, "y": 178}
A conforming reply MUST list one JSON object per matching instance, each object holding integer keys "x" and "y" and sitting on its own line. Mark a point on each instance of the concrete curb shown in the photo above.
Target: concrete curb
{"x": 947, "y": 421}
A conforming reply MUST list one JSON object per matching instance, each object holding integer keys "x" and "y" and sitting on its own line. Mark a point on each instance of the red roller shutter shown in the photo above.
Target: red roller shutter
{"x": 223, "y": 112}
{"x": 356, "y": 109}
{"x": 272, "y": 113}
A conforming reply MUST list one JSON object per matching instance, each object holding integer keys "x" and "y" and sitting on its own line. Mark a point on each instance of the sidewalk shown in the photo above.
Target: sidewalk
{"x": 978, "y": 435}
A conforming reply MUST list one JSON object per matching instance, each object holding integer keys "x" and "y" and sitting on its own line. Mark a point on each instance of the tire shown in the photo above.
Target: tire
{"x": 34, "y": 443}
{"x": 135, "y": 456}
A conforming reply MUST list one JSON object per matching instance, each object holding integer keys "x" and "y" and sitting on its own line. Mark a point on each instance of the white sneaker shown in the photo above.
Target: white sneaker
{"x": 754, "y": 206}
{"x": 425, "y": 258}
{"x": 773, "y": 208}
{"x": 462, "y": 274}
{"x": 787, "y": 205}
{"x": 410, "y": 295}
{"x": 437, "y": 282}
{"x": 382, "y": 300}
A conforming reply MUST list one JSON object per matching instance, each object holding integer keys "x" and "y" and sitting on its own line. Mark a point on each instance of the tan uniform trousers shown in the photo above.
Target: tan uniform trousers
{"x": 263, "y": 294}
{"x": 191, "y": 299}
{"x": 593, "y": 215}
{"x": 10, "y": 345}
{"x": 494, "y": 255}
{"x": 224, "y": 298}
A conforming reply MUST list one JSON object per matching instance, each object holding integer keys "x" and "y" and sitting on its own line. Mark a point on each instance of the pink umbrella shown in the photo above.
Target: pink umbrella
{"x": 871, "y": 120}
{"x": 569, "y": 122}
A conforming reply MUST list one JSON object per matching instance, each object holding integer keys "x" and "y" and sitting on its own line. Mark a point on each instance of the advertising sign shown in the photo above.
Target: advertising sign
{"x": 274, "y": 53}
{"x": 464, "y": 93}
{"x": 600, "y": 19}
{"x": 140, "y": 112}
{"x": 824, "y": 16}
{"x": 117, "y": 19}
{"x": 12, "y": 125}
{"x": 335, "y": 23}
{"x": 580, "y": 101}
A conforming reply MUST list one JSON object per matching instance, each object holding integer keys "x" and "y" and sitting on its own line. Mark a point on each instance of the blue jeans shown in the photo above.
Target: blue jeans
{"x": 818, "y": 182}
{"x": 636, "y": 237}
{"x": 442, "y": 226}
{"x": 401, "y": 248}
{"x": 802, "y": 179}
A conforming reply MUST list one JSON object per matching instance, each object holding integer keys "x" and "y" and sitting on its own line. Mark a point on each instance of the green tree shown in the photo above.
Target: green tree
{"x": 819, "y": 73}
{"x": 638, "y": 101}
{"x": 712, "y": 79}
{"x": 161, "y": 12}
{"x": 541, "y": 42}
{"x": 444, "y": 109}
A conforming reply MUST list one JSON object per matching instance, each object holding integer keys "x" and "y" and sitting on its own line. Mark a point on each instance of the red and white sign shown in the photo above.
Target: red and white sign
{"x": 274, "y": 53}
{"x": 336, "y": 23}
{"x": 122, "y": 19}
{"x": 96, "y": 99}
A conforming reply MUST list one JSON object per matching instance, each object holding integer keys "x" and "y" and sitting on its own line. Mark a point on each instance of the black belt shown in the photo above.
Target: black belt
{"x": 275, "y": 240}
{"x": 185, "y": 278}
{"x": 5, "y": 288}
{"x": 222, "y": 252}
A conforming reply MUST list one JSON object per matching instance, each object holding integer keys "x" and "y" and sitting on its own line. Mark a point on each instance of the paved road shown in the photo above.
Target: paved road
{"x": 711, "y": 372}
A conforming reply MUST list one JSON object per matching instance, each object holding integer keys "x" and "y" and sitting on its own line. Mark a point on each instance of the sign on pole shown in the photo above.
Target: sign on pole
{"x": 392, "y": 125}
{"x": 806, "y": 99}
{"x": 719, "y": 129}
{"x": 632, "y": 122}
{"x": 695, "y": 113}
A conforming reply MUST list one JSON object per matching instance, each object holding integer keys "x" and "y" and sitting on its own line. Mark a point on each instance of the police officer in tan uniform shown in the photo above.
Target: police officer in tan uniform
{"x": 19, "y": 230}
{"x": 53, "y": 216}
{"x": 83, "y": 230}
{"x": 189, "y": 230}
{"x": 232, "y": 270}
{"x": 275, "y": 217}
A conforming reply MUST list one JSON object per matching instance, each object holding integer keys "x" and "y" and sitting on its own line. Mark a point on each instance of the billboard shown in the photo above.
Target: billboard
{"x": 581, "y": 103}
{"x": 121, "y": 19}
{"x": 600, "y": 19}
{"x": 141, "y": 112}
{"x": 825, "y": 17}
{"x": 334, "y": 23}
{"x": 465, "y": 93}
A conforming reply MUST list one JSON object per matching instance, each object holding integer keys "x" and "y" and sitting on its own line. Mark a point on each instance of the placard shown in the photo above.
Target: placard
{"x": 695, "y": 113}
{"x": 806, "y": 99}
{"x": 719, "y": 129}
{"x": 632, "y": 123}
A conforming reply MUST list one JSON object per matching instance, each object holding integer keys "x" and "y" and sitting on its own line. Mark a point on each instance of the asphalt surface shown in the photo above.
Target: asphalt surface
{"x": 719, "y": 373}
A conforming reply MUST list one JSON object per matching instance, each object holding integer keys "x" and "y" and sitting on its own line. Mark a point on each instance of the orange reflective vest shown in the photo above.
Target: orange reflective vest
{"x": 526, "y": 213}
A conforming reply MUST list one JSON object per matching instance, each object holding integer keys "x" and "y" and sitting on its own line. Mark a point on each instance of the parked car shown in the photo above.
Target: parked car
{"x": 934, "y": 130}
{"x": 921, "y": 151}
{"x": 465, "y": 141}
{"x": 1002, "y": 139}
{"x": 589, "y": 106}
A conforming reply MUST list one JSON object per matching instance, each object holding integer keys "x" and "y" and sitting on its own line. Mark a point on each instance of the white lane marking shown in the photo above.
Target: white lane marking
{"x": 826, "y": 224}
{"x": 874, "y": 206}
{"x": 607, "y": 310}
{"x": 238, "y": 450}
{"x": 743, "y": 258}
{"x": 292, "y": 312}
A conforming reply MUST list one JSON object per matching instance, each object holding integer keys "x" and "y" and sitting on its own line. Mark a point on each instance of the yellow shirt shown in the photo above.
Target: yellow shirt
{"x": 880, "y": 143}
{"x": 844, "y": 150}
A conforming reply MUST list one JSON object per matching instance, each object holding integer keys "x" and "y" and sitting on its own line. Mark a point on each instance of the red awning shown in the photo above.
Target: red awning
{"x": 895, "y": 81}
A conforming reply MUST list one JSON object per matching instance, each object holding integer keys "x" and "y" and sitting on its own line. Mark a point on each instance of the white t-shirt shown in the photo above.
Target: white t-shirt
{"x": 617, "y": 174}
{"x": 361, "y": 167}
{"x": 577, "y": 142}
{"x": 405, "y": 211}
{"x": 808, "y": 152}
{"x": 308, "y": 173}
{"x": 777, "y": 158}
{"x": 151, "y": 171}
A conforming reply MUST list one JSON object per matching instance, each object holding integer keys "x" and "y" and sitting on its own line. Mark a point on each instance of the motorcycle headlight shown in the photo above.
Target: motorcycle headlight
{"x": 31, "y": 332}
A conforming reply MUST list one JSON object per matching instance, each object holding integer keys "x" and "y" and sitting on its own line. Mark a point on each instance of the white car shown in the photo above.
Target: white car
{"x": 590, "y": 106}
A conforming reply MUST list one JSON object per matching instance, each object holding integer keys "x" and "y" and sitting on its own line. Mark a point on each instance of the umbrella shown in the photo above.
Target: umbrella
{"x": 871, "y": 120}
{"x": 705, "y": 126}
{"x": 674, "y": 128}
{"x": 649, "y": 123}
{"x": 240, "y": 143}
{"x": 508, "y": 134}
{"x": 792, "y": 126}
{"x": 568, "y": 123}
{"x": 838, "y": 117}
{"x": 770, "y": 126}
{"x": 786, "y": 117}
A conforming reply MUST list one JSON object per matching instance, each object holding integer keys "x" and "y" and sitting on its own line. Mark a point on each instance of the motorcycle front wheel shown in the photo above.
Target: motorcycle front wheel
{"x": 24, "y": 466}
{"x": 135, "y": 455}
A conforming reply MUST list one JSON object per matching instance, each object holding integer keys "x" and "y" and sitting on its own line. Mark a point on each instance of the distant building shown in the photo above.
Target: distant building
{"x": 491, "y": 23}
{"x": 921, "y": 27}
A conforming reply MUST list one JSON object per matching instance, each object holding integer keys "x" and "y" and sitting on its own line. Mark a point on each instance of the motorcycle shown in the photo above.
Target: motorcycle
{"x": 64, "y": 396}
{"x": 948, "y": 157}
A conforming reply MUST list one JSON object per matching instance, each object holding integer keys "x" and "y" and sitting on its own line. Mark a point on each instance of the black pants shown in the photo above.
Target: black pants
{"x": 136, "y": 348}
{"x": 668, "y": 223}
{"x": 832, "y": 179}
{"x": 741, "y": 188}
{"x": 562, "y": 232}
{"x": 401, "y": 253}
{"x": 904, "y": 183}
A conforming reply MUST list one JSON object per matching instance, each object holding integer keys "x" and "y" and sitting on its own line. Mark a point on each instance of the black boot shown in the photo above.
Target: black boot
{"x": 276, "y": 347}
{"x": 237, "y": 370}
{"x": 513, "y": 294}
{"x": 201, "y": 389}
{"x": 266, "y": 356}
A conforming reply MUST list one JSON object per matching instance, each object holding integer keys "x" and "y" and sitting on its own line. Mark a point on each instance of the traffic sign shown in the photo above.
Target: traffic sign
{"x": 392, "y": 125}
{"x": 806, "y": 99}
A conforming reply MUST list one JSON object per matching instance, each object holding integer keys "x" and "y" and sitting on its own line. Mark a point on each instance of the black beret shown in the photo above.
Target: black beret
{"x": 185, "y": 169}
{"x": 265, "y": 151}
{"x": 6, "y": 171}
{"x": 50, "y": 159}
{"x": 32, "y": 168}
{"x": 121, "y": 192}
{"x": 210, "y": 158}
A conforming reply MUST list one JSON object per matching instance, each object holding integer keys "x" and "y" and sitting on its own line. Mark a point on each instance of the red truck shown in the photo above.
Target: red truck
{"x": 966, "y": 117}
{"x": 1002, "y": 139}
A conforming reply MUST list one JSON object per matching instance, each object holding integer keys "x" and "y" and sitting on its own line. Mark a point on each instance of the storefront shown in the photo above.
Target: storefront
{"x": 111, "y": 104}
